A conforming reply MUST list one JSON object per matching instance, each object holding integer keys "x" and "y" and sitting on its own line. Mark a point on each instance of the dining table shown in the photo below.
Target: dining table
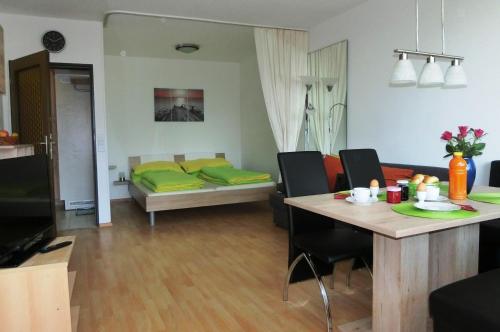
{"x": 412, "y": 256}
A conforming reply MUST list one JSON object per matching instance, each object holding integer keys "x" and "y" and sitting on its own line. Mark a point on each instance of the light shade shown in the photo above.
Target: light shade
{"x": 404, "y": 74}
{"x": 432, "y": 75}
{"x": 329, "y": 82}
{"x": 455, "y": 76}
{"x": 187, "y": 48}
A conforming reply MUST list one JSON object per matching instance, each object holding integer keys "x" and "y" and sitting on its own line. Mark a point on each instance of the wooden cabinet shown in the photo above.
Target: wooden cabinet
{"x": 14, "y": 151}
{"x": 36, "y": 296}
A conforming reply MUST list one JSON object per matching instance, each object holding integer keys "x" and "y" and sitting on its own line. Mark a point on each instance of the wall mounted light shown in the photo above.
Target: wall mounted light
{"x": 329, "y": 82}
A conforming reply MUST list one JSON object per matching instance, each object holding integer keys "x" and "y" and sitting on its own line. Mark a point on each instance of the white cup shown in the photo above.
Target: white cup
{"x": 421, "y": 196}
{"x": 374, "y": 191}
{"x": 432, "y": 192}
{"x": 361, "y": 195}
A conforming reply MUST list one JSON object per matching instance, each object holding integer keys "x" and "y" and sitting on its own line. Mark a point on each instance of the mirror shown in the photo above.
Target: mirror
{"x": 326, "y": 114}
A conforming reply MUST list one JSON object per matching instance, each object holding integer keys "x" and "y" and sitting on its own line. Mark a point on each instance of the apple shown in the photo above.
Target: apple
{"x": 4, "y": 133}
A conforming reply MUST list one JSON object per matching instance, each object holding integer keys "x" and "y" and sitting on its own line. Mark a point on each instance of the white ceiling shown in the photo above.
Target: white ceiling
{"x": 153, "y": 37}
{"x": 300, "y": 14}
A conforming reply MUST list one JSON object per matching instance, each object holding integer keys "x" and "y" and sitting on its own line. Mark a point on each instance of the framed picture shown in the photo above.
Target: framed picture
{"x": 179, "y": 105}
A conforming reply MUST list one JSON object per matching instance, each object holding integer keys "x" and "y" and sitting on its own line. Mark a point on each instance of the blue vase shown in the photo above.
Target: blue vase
{"x": 471, "y": 173}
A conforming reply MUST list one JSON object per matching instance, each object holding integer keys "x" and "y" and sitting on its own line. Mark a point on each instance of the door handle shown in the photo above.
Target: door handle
{"x": 46, "y": 143}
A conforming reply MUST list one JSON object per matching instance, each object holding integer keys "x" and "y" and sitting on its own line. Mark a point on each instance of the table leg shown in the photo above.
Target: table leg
{"x": 406, "y": 270}
{"x": 400, "y": 283}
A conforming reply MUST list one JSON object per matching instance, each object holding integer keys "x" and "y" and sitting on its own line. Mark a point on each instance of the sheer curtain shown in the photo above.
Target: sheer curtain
{"x": 329, "y": 62}
{"x": 282, "y": 59}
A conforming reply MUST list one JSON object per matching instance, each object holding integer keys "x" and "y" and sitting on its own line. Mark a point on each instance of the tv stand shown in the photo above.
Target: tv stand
{"x": 36, "y": 295}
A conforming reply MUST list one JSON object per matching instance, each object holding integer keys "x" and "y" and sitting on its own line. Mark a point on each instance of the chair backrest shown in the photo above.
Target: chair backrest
{"x": 361, "y": 166}
{"x": 303, "y": 173}
{"x": 495, "y": 174}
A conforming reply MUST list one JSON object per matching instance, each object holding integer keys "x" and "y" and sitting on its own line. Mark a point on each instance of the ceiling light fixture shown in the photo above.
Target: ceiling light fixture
{"x": 187, "y": 48}
{"x": 431, "y": 76}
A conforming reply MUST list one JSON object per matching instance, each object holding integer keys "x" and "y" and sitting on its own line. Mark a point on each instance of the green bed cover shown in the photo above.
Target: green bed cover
{"x": 166, "y": 181}
{"x": 228, "y": 176}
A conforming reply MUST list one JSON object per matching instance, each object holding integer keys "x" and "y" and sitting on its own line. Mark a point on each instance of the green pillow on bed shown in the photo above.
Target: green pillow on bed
{"x": 160, "y": 165}
{"x": 195, "y": 166}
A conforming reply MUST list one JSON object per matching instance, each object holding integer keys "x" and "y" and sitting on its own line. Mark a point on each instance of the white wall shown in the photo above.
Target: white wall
{"x": 84, "y": 44}
{"x": 258, "y": 148}
{"x": 404, "y": 124}
{"x": 131, "y": 127}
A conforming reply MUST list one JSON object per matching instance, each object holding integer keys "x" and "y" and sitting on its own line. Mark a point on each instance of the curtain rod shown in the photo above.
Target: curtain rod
{"x": 133, "y": 13}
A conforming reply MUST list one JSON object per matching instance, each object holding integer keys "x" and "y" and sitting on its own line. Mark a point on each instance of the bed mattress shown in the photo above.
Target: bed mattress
{"x": 209, "y": 187}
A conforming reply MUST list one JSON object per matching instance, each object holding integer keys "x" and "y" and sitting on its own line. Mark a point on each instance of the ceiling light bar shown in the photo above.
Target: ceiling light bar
{"x": 428, "y": 54}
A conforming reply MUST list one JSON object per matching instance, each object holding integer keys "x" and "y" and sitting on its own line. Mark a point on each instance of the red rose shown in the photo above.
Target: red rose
{"x": 463, "y": 130}
{"x": 447, "y": 135}
{"x": 478, "y": 133}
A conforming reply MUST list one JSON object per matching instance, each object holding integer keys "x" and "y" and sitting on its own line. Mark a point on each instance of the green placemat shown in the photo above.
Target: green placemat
{"x": 408, "y": 209}
{"x": 493, "y": 198}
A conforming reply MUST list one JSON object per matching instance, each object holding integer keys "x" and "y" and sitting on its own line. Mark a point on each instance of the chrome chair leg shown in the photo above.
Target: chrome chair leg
{"x": 324, "y": 294}
{"x": 367, "y": 267}
{"x": 348, "y": 276}
{"x": 289, "y": 274}
{"x": 332, "y": 279}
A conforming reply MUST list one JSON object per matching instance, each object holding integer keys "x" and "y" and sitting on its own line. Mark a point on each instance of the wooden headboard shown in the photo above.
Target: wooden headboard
{"x": 137, "y": 160}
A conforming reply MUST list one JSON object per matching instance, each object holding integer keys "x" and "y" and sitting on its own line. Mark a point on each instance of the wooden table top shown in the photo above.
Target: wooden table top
{"x": 379, "y": 217}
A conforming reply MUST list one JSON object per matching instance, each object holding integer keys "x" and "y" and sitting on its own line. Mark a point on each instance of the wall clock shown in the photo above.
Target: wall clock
{"x": 53, "y": 41}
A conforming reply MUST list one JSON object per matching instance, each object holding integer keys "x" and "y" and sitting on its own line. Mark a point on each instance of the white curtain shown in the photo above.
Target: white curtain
{"x": 325, "y": 122}
{"x": 282, "y": 59}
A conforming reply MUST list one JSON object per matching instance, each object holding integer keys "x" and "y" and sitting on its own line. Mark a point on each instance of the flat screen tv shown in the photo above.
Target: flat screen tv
{"x": 27, "y": 220}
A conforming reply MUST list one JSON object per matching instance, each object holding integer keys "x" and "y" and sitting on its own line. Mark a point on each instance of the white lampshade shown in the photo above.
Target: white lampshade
{"x": 455, "y": 76}
{"x": 404, "y": 74}
{"x": 432, "y": 75}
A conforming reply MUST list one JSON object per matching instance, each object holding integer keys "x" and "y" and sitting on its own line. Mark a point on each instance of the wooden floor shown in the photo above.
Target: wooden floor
{"x": 206, "y": 269}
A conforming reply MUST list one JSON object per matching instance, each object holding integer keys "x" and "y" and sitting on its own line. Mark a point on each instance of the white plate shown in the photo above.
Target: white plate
{"x": 439, "y": 199}
{"x": 372, "y": 200}
{"x": 437, "y": 206}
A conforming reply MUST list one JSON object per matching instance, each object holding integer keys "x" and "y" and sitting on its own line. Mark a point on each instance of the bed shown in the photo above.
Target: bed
{"x": 210, "y": 194}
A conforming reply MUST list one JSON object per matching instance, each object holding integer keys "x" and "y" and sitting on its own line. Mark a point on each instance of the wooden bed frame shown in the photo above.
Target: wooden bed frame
{"x": 184, "y": 200}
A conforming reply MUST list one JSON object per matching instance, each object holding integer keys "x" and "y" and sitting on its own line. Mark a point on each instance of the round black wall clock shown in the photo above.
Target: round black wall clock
{"x": 53, "y": 41}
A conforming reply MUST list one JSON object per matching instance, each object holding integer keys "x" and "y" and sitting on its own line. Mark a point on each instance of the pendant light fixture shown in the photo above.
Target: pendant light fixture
{"x": 404, "y": 74}
{"x": 432, "y": 75}
{"x": 455, "y": 75}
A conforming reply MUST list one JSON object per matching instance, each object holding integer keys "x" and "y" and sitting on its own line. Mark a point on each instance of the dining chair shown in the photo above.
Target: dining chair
{"x": 303, "y": 174}
{"x": 489, "y": 231}
{"x": 361, "y": 166}
{"x": 472, "y": 304}
{"x": 495, "y": 173}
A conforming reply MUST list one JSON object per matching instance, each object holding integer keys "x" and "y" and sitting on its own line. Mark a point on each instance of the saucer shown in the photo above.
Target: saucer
{"x": 372, "y": 200}
{"x": 439, "y": 199}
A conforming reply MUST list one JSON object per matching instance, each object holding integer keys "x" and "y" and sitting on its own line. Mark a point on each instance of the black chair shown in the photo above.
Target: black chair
{"x": 468, "y": 305}
{"x": 489, "y": 233}
{"x": 495, "y": 173}
{"x": 303, "y": 174}
{"x": 361, "y": 166}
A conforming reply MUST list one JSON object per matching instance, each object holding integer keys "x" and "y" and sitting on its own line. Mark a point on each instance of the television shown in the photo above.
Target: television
{"x": 27, "y": 220}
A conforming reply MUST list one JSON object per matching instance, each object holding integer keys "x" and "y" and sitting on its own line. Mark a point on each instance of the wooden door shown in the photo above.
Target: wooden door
{"x": 30, "y": 100}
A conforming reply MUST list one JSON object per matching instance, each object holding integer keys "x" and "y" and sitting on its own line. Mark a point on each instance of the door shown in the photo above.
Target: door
{"x": 30, "y": 106}
{"x": 30, "y": 100}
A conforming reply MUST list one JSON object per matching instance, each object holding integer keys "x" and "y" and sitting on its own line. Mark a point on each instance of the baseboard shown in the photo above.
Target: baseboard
{"x": 107, "y": 224}
{"x": 118, "y": 200}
